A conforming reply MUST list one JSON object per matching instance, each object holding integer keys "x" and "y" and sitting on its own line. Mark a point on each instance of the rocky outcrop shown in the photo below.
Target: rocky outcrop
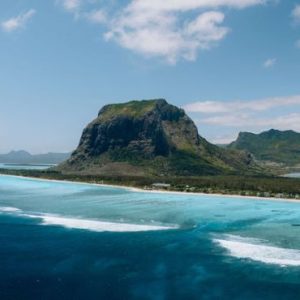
{"x": 149, "y": 137}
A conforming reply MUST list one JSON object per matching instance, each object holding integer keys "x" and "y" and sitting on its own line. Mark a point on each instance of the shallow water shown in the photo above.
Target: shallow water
{"x": 25, "y": 166}
{"x": 79, "y": 241}
{"x": 293, "y": 175}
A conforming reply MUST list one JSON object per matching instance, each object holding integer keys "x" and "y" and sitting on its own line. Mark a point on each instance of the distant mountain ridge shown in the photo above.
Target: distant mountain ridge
{"x": 24, "y": 157}
{"x": 273, "y": 145}
{"x": 150, "y": 137}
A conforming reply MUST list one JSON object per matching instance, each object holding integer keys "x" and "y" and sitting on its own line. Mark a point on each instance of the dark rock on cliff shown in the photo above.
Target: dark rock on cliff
{"x": 149, "y": 137}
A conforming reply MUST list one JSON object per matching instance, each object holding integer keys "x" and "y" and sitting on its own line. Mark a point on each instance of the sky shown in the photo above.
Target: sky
{"x": 233, "y": 65}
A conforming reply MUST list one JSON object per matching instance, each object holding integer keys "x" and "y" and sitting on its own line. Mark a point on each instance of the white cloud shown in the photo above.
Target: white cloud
{"x": 71, "y": 5}
{"x": 97, "y": 16}
{"x": 158, "y": 34}
{"x": 213, "y": 107}
{"x": 296, "y": 13}
{"x": 17, "y": 22}
{"x": 254, "y": 115}
{"x": 180, "y": 5}
{"x": 85, "y": 10}
{"x": 207, "y": 107}
{"x": 156, "y": 28}
{"x": 228, "y": 120}
{"x": 284, "y": 122}
{"x": 269, "y": 63}
{"x": 167, "y": 29}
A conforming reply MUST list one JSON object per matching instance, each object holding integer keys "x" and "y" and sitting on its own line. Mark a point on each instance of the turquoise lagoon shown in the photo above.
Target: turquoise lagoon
{"x": 25, "y": 166}
{"x": 63, "y": 240}
{"x": 293, "y": 175}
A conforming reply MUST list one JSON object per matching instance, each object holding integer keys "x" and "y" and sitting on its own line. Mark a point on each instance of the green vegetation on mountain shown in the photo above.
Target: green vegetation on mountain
{"x": 150, "y": 138}
{"x": 134, "y": 108}
{"x": 281, "y": 147}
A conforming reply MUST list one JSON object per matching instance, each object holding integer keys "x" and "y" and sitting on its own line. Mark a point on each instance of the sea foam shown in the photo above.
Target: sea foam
{"x": 8, "y": 209}
{"x": 86, "y": 224}
{"x": 95, "y": 225}
{"x": 253, "y": 249}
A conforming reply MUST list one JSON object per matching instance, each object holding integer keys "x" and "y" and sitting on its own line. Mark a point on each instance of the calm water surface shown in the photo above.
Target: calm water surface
{"x": 293, "y": 175}
{"x": 76, "y": 241}
{"x": 25, "y": 166}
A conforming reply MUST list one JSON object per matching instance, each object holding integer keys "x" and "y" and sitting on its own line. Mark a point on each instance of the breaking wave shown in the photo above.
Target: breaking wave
{"x": 254, "y": 249}
{"x": 86, "y": 224}
{"x": 8, "y": 209}
{"x": 95, "y": 225}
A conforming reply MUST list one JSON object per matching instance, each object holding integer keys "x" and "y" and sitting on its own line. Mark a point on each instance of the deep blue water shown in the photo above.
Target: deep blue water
{"x": 75, "y": 241}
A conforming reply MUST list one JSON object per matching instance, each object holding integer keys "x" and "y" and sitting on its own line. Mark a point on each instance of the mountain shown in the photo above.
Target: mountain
{"x": 273, "y": 145}
{"x": 149, "y": 137}
{"x": 24, "y": 157}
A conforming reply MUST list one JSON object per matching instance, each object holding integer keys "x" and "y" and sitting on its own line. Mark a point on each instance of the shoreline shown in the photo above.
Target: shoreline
{"x": 140, "y": 190}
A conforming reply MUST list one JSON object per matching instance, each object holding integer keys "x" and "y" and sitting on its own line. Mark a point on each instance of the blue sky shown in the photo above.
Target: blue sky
{"x": 234, "y": 65}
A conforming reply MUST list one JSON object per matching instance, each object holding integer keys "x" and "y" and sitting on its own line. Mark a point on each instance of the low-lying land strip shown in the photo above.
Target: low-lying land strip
{"x": 261, "y": 186}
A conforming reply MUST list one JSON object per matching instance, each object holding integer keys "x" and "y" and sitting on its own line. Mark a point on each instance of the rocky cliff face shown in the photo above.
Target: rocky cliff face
{"x": 149, "y": 137}
{"x": 274, "y": 146}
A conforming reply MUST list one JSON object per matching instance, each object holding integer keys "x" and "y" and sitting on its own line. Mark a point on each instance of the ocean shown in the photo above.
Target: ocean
{"x": 62, "y": 240}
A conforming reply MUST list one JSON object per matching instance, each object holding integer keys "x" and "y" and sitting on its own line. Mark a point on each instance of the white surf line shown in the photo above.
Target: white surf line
{"x": 94, "y": 225}
{"x": 252, "y": 249}
{"x": 9, "y": 209}
{"x": 87, "y": 224}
